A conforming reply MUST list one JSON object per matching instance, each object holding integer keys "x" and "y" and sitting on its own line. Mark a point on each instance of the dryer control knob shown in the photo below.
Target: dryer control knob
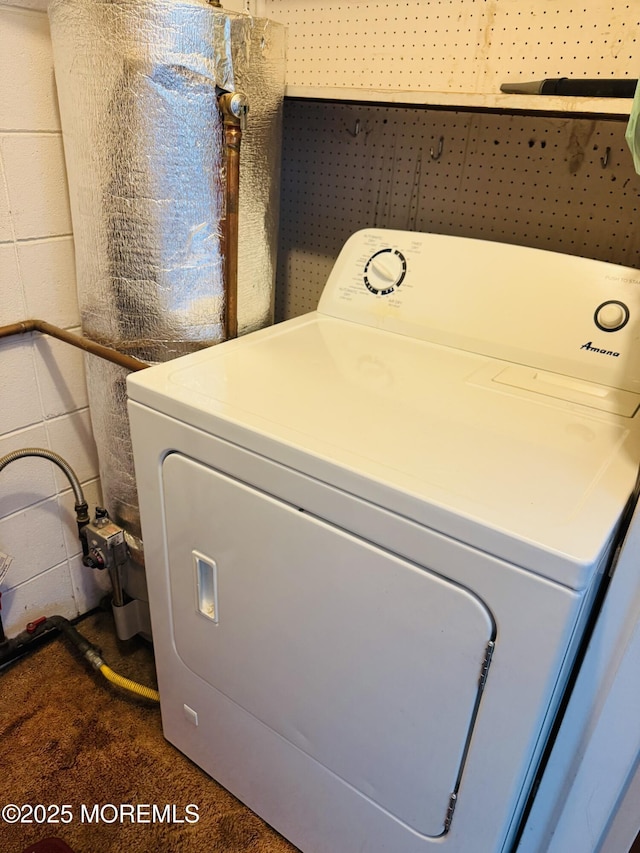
{"x": 611, "y": 316}
{"x": 385, "y": 271}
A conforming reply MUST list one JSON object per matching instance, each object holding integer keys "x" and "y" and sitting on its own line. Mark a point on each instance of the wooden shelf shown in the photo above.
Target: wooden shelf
{"x": 608, "y": 108}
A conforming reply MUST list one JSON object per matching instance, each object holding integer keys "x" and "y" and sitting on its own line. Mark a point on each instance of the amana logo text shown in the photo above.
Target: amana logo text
{"x": 590, "y": 347}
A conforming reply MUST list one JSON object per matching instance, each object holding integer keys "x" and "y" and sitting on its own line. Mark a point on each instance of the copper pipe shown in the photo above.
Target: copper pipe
{"x": 232, "y": 139}
{"x": 234, "y": 109}
{"x": 85, "y": 344}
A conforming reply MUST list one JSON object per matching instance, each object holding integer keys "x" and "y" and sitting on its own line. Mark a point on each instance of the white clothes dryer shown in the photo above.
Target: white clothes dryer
{"x": 374, "y": 536}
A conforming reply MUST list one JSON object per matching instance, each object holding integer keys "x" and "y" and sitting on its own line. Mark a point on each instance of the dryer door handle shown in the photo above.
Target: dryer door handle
{"x": 206, "y": 576}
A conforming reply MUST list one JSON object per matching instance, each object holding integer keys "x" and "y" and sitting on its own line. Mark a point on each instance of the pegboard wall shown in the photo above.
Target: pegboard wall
{"x": 462, "y": 46}
{"x": 516, "y": 179}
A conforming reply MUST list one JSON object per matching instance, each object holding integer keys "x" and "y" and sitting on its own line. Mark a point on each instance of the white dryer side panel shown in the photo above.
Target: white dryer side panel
{"x": 365, "y": 662}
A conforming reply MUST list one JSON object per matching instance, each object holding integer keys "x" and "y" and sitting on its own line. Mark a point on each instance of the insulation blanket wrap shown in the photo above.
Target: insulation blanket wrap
{"x": 143, "y": 136}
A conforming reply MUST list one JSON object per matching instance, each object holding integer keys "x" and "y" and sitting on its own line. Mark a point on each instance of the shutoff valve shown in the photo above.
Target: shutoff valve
{"x": 235, "y": 108}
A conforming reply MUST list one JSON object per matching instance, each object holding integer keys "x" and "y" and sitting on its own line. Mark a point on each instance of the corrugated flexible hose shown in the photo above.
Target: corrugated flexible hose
{"x": 127, "y": 684}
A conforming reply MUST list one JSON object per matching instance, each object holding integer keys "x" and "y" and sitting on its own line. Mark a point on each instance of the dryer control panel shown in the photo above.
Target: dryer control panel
{"x": 573, "y": 316}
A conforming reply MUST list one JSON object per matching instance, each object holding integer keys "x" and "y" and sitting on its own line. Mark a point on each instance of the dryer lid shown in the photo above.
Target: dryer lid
{"x": 426, "y": 431}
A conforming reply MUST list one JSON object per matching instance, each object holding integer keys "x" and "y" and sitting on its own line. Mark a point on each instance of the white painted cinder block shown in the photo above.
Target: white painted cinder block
{"x": 48, "y": 272}
{"x": 71, "y": 437}
{"x": 26, "y": 56}
{"x": 37, "y": 184}
{"x": 47, "y": 594}
{"x": 34, "y": 539}
{"x": 61, "y": 379}
{"x": 12, "y": 303}
{"x": 43, "y": 386}
{"x": 28, "y": 480}
{"x": 6, "y": 228}
{"x": 20, "y": 396}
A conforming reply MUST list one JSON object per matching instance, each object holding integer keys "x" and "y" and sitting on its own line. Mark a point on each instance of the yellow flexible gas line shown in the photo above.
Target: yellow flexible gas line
{"x": 133, "y": 686}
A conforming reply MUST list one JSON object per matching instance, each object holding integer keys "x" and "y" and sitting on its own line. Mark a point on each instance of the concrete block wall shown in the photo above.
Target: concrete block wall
{"x": 43, "y": 397}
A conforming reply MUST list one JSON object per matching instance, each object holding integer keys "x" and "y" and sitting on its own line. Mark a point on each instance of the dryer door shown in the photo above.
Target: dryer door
{"x": 367, "y": 663}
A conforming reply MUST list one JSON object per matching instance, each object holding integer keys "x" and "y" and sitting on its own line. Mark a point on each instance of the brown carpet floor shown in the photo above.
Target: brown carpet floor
{"x": 68, "y": 737}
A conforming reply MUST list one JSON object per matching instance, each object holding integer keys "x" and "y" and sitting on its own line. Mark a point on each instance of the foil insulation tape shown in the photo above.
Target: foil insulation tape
{"x": 143, "y": 137}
